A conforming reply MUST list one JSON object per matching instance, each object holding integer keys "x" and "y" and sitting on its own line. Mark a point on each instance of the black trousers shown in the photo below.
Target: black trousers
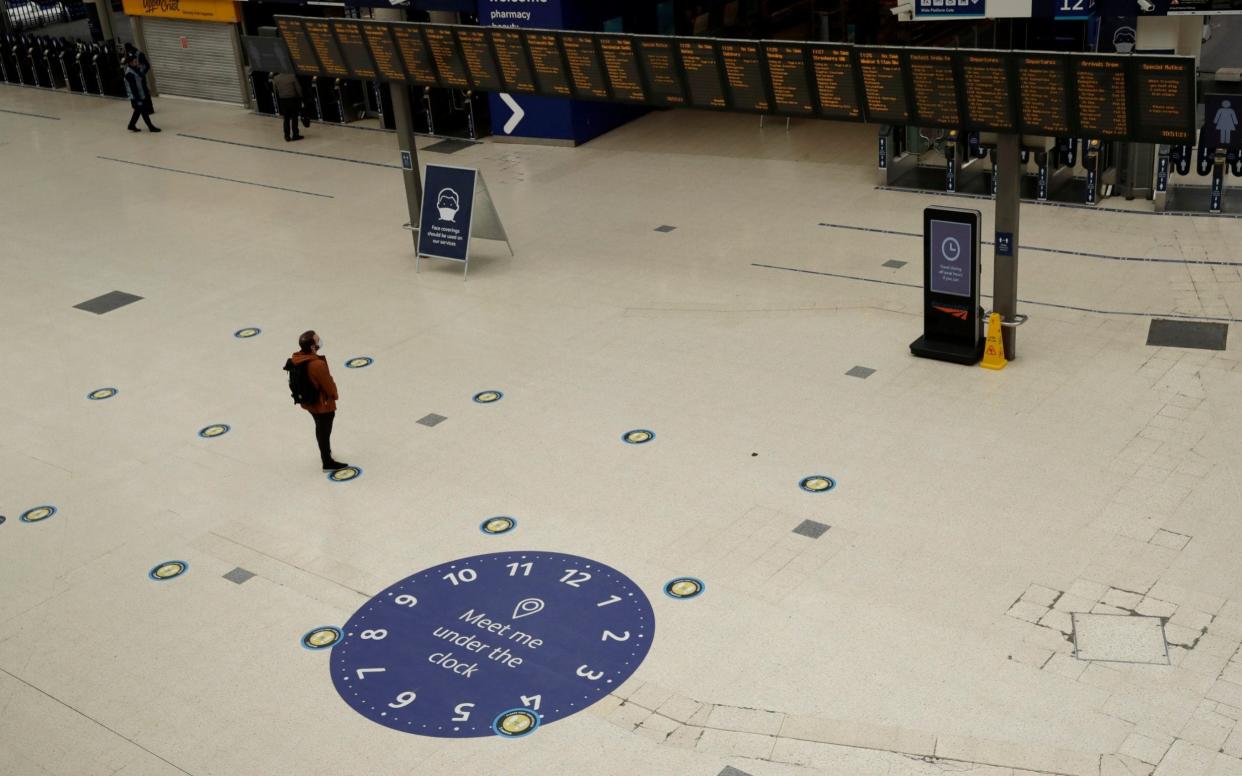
{"x": 323, "y": 434}
{"x": 142, "y": 109}
{"x": 291, "y": 110}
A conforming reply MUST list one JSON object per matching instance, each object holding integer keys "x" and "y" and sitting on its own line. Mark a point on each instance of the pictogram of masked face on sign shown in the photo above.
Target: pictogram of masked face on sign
{"x": 448, "y": 203}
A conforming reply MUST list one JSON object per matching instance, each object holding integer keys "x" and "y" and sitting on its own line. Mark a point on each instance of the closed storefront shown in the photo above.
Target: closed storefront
{"x": 193, "y": 46}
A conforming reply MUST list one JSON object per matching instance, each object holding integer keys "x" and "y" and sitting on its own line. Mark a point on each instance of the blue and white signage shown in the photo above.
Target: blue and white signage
{"x": 1063, "y": 9}
{"x": 942, "y": 8}
{"x": 1223, "y": 121}
{"x": 448, "y": 207}
{"x": 1004, "y": 243}
{"x": 951, "y": 243}
{"x": 493, "y": 644}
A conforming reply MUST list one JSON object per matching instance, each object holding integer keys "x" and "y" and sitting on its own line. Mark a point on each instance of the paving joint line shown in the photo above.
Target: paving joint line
{"x": 288, "y": 151}
{"x": 291, "y": 565}
{"x": 32, "y": 115}
{"x": 1071, "y": 205}
{"x": 215, "y": 177}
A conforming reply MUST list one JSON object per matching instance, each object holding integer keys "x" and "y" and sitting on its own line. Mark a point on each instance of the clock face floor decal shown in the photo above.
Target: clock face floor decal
{"x": 496, "y": 644}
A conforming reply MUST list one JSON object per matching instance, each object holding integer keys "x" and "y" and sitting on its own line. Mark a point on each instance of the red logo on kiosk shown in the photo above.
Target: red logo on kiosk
{"x": 956, "y": 312}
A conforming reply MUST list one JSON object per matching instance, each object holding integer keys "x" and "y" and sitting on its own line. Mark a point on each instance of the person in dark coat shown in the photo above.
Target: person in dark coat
{"x": 139, "y": 97}
{"x": 144, "y": 67}
{"x": 289, "y": 94}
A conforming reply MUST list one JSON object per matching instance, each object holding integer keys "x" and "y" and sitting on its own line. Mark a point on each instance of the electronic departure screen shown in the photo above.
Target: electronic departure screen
{"x": 836, "y": 84}
{"x": 791, "y": 89}
{"x": 702, "y": 69}
{"x": 659, "y": 60}
{"x": 1164, "y": 99}
{"x": 384, "y": 49}
{"x": 989, "y": 98}
{"x": 884, "y": 84}
{"x": 621, "y": 64}
{"x": 357, "y": 55}
{"x": 935, "y": 88}
{"x": 744, "y": 75}
{"x": 267, "y": 54}
{"x": 1103, "y": 105}
{"x": 331, "y": 60}
{"x": 586, "y": 69}
{"x": 1043, "y": 94}
{"x": 299, "y": 45}
{"x": 443, "y": 48}
{"x": 480, "y": 63}
{"x": 550, "y": 72}
{"x": 414, "y": 51}
{"x": 514, "y": 64}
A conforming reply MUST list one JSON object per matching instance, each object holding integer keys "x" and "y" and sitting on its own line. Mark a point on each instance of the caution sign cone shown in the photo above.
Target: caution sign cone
{"x": 994, "y": 352}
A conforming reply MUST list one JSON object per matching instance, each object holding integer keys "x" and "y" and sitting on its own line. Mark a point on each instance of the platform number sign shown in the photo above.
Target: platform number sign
{"x": 495, "y": 644}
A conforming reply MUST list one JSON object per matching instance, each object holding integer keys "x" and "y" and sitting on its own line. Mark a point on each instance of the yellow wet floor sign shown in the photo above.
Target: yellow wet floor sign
{"x": 994, "y": 352}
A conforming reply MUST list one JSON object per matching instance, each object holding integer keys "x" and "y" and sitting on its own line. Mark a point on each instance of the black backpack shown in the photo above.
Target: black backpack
{"x": 300, "y": 385}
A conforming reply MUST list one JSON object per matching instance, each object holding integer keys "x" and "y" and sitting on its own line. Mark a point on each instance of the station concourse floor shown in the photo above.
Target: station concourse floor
{"x": 981, "y": 520}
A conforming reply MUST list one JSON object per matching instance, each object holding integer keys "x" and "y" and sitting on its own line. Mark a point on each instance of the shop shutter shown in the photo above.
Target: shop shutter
{"x": 206, "y": 67}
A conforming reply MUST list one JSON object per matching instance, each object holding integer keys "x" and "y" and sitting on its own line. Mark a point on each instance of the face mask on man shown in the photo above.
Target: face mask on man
{"x": 318, "y": 343}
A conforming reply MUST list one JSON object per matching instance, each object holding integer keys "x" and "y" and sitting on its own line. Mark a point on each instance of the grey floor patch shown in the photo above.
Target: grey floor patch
{"x": 449, "y": 146}
{"x": 432, "y": 420}
{"x": 729, "y": 770}
{"x": 811, "y": 528}
{"x": 108, "y": 302}
{"x": 862, "y": 372}
{"x": 1187, "y": 334}
{"x": 1120, "y": 638}
{"x": 238, "y": 575}
{"x": 895, "y": 264}
{"x": 666, "y": 228}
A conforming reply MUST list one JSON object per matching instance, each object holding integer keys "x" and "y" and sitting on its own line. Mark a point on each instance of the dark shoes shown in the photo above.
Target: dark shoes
{"x": 133, "y": 129}
{"x": 154, "y": 129}
{"x": 298, "y": 137}
{"x": 335, "y": 466}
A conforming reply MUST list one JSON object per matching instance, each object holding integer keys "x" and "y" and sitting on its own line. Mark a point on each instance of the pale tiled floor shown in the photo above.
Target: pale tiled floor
{"x": 924, "y": 633}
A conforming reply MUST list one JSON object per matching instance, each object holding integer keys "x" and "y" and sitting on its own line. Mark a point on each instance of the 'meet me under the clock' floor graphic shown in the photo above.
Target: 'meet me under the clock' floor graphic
{"x": 456, "y": 650}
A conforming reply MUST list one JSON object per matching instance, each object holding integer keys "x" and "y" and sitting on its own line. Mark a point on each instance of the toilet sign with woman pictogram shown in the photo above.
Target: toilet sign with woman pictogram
{"x": 1222, "y": 118}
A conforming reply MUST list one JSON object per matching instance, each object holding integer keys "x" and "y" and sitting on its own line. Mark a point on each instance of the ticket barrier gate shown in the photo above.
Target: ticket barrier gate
{"x": 965, "y": 168}
{"x": 8, "y": 65}
{"x": 1215, "y": 165}
{"x": 454, "y": 112}
{"x": 895, "y": 162}
{"x": 263, "y": 93}
{"x": 1053, "y": 174}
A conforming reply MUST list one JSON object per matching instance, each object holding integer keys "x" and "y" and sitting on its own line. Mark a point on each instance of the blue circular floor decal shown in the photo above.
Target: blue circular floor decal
{"x": 99, "y": 394}
{"x": 248, "y": 332}
{"x": 359, "y": 362}
{"x": 454, "y": 650}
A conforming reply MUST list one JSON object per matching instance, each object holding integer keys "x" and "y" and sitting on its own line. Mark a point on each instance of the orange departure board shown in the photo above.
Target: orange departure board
{"x": 791, "y": 88}
{"x": 443, "y": 48}
{"x": 989, "y": 100}
{"x": 702, "y": 68}
{"x": 836, "y": 85}
{"x": 935, "y": 88}
{"x": 480, "y": 63}
{"x": 331, "y": 60}
{"x": 659, "y": 61}
{"x": 621, "y": 65}
{"x": 357, "y": 55}
{"x": 1043, "y": 94}
{"x": 884, "y": 83}
{"x": 299, "y": 44}
{"x": 545, "y": 55}
{"x": 1164, "y": 99}
{"x": 1103, "y": 106}
{"x": 586, "y": 67}
{"x": 414, "y": 52}
{"x": 745, "y": 76}
{"x": 384, "y": 49}
{"x": 514, "y": 64}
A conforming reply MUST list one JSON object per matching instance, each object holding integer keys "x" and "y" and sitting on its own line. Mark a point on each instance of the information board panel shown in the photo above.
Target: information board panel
{"x": 1101, "y": 84}
{"x": 935, "y": 88}
{"x": 480, "y": 62}
{"x": 659, "y": 61}
{"x": 357, "y": 55}
{"x": 586, "y": 68}
{"x": 989, "y": 92}
{"x": 448, "y": 60}
{"x": 745, "y": 76}
{"x": 300, "y": 51}
{"x": 884, "y": 84}
{"x": 787, "y": 74}
{"x": 331, "y": 60}
{"x": 267, "y": 54}
{"x": 701, "y": 64}
{"x": 513, "y": 59}
{"x": 414, "y": 53}
{"x": 1164, "y": 99}
{"x": 836, "y": 81}
{"x": 621, "y": 65}
{"x": 545, "y": 55}
{"x": 1043, "y": 94}
{"x": 384, "y": 51}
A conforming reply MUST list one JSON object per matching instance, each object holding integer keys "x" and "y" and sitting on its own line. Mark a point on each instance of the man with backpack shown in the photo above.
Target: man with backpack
{"x": 312, "y": 386}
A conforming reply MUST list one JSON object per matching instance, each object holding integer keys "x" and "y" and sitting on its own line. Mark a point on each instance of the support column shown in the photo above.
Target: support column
{"x": 403, "y": 116}
{"x": 103, "y": 9}
{"x": 1005, "y": 268}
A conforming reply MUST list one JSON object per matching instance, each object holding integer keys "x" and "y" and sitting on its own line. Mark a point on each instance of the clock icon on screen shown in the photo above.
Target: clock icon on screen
{"x": 951, "y": 248}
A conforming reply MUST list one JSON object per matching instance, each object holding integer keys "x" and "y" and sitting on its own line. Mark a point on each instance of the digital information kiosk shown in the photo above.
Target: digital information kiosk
{"x": 952, "y": 317}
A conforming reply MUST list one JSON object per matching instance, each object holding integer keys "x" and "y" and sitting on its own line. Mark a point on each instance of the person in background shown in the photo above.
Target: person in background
{"x": 139, "y": 97}
{"x": 289, "y": 94}
{"x": 323, "y": 410}
{"x": 144, "y": 67}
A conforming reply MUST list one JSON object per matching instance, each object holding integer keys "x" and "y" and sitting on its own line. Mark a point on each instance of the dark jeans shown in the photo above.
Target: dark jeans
{"x": 291, "y": 110}
{"x": 323, "y": 434}
{"x": 142, "y": 109}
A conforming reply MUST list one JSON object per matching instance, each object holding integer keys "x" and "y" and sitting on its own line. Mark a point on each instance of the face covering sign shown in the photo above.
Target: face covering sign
{"x": 448, "y": 208}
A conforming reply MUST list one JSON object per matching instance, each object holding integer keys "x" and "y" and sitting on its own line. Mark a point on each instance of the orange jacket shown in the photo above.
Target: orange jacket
{"x": 319, "y": 375}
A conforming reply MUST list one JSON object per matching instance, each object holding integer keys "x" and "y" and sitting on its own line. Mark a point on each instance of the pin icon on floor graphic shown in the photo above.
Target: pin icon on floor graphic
{"x": 526, "y": 607}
